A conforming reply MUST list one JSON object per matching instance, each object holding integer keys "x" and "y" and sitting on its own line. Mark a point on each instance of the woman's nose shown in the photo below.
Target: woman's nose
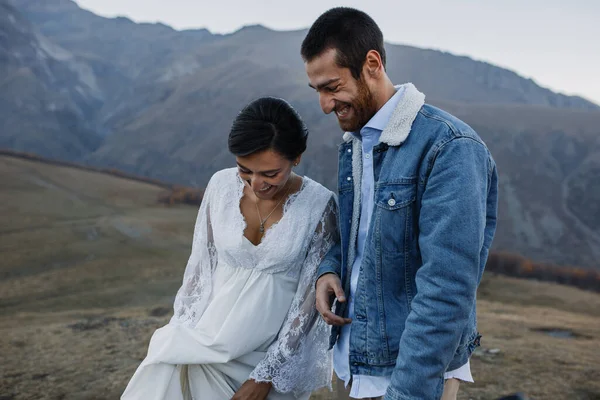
{"x": 257, "y": 184}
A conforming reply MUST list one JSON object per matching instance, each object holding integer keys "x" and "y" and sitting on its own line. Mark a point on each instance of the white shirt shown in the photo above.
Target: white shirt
{"x": 366, "y": 386}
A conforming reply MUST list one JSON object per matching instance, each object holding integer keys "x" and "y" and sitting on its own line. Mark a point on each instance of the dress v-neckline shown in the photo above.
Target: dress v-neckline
{"x": 254, "y": 246}
{"x": 286, "y": 204}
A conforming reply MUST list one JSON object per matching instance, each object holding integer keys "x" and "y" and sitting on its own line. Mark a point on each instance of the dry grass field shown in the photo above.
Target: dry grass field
{"x": 89, "y": 265}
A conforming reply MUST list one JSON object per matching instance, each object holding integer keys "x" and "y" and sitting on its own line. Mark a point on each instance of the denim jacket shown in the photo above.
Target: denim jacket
{"x": 433, "y": 223}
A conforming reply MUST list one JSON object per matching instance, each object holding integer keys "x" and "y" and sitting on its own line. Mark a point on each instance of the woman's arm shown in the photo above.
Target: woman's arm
{"x": 192, "y": 297}
{"x": 299, "y": 360}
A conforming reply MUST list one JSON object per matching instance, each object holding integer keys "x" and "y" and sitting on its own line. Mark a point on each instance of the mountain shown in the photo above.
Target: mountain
{"x": 461, "y": 79}
{"x": 159, "y": 102}
{"x": 47, "y": 95}
{"x": 136, "y": 51}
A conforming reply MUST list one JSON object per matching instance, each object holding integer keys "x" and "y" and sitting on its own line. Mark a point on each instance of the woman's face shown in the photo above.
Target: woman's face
{"x": 265, "y": 172}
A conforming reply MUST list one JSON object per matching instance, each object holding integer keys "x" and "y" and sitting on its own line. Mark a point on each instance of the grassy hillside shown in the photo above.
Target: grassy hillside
{"x": 90, "y": 263}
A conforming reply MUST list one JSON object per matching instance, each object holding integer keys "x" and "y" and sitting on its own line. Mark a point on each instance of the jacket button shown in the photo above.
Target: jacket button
{"x": 349, "y": 150}
{"x": 391, "y": 202}
{"x": 348, "y": 178}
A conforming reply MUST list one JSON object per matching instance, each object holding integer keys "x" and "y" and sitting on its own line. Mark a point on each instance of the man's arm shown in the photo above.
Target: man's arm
{"x": 452, "y": 224}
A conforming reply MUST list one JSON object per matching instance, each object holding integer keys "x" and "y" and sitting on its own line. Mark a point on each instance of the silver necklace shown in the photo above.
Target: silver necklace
{"x": 260, "y": 219}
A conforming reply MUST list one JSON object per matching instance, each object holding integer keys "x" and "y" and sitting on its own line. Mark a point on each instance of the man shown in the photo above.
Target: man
{"x": 418, "y": 202}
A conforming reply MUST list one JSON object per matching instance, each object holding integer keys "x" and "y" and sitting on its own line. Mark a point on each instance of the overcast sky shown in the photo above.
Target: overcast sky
{"x": 555, "y": 42}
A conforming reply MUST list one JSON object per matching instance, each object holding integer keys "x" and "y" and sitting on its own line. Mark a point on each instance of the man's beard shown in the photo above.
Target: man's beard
{"x": 363, "y": 107}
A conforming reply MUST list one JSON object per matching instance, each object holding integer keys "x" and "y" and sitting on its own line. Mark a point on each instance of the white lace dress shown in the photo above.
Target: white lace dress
{"x": 245, "y": 311}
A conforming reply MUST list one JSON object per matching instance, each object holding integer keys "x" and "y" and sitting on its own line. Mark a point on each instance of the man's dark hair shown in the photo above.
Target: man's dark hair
{"x": 349, "y": 31}
{"x": 268, "y": 123}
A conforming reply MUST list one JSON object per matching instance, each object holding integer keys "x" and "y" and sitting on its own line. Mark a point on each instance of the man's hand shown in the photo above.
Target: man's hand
{"x": 327, "y": 286}
{"x": 252, "y": 390}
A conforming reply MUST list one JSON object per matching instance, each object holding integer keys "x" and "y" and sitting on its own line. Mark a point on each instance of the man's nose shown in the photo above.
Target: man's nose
{"x": 327, "y": 103}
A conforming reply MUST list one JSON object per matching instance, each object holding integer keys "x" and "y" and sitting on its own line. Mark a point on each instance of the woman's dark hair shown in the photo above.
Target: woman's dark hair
{"x": 352, "y": 33}
{"x": 268, "y": 123}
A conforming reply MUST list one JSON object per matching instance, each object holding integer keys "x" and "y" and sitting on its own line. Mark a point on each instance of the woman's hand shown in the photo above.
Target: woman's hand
{"x": 252, "y": 390}
{"x": 330, "y": 285}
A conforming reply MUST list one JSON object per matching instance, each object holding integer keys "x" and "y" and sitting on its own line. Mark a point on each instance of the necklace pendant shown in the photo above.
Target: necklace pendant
{"x": 262, "y": 228}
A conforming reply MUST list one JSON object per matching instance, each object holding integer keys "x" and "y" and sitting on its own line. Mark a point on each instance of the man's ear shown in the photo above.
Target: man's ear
{"x": 373, "y": 66}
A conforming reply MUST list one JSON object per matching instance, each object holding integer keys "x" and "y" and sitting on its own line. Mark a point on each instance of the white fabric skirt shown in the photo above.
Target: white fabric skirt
{"x": 213, "y": 359}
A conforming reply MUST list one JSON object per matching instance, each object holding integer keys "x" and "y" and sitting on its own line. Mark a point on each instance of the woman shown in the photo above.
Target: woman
{"x": 245, "y": 324}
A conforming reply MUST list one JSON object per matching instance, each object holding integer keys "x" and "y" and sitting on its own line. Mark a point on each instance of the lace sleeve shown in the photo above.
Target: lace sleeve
{"x": 299, "y": 360}
{"x": 192, "y": 297}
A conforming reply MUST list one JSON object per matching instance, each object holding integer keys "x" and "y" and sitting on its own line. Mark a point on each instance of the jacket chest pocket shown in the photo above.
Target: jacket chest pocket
{"x": 394, "y": 207}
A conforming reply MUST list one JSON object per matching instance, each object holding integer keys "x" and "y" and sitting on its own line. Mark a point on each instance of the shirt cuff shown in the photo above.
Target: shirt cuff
{"x": 463, "y": 373}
